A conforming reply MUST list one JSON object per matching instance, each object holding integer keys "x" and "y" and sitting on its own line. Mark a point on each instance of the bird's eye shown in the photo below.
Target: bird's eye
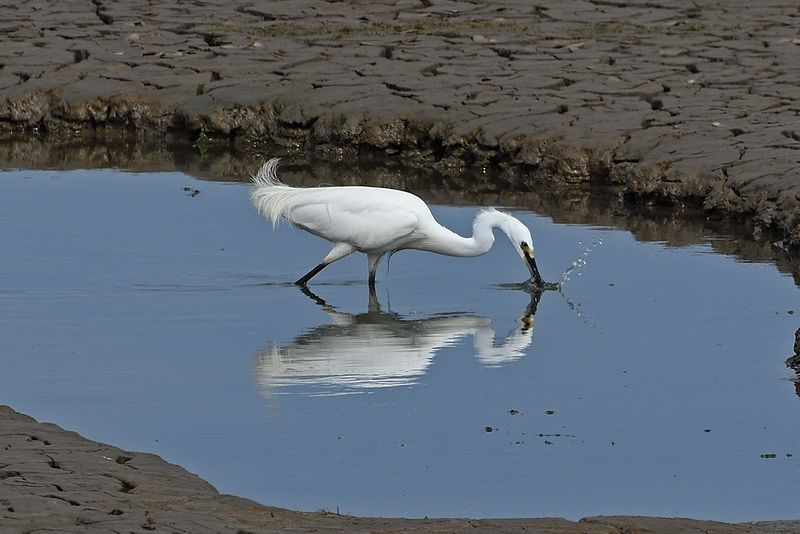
{"x": 523, "y": 245}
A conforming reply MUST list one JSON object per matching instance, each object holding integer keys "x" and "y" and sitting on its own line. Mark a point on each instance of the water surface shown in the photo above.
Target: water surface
{"x": 156, "y": 319}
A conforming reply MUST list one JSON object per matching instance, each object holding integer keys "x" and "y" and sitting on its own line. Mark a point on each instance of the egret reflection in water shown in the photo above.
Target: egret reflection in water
{"x": 379, "y": 349}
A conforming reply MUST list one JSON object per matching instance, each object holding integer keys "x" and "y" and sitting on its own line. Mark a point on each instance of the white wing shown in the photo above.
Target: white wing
{"x": 367, "y": 218}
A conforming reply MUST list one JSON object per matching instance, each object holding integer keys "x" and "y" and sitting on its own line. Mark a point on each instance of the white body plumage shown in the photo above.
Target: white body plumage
{"x": 377, "y": 221}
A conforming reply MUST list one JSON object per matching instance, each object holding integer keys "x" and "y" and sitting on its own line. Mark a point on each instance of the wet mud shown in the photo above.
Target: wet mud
{"x": 668, "y": 102}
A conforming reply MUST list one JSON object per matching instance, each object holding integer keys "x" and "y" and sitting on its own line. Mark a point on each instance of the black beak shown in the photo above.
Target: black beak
{"x": 536, "y": 278}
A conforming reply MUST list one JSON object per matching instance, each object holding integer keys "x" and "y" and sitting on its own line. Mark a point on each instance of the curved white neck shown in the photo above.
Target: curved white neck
{"x": 451, "y": 244}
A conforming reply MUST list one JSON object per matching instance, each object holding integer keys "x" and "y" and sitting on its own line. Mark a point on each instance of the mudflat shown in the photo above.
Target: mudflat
{"x": 671, "y": 102}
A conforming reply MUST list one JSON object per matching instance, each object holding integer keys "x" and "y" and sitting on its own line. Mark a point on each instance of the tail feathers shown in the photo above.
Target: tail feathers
{"x": 271, "y": 197}
{"x": 267, "y": 175}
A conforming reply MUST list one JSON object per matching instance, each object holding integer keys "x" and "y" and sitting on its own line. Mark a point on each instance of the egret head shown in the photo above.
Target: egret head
{"x": 522, "y": 240}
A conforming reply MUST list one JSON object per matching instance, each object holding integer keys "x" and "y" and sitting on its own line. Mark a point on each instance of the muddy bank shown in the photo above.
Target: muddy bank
{"x": 667, "y": 102}
{"x": 52, "y": 479}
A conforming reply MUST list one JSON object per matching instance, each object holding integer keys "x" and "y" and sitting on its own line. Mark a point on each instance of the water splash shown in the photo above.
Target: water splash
{"x": 579, "y": 262}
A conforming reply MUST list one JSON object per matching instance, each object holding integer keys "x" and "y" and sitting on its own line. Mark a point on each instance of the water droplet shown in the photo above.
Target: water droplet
{"x": 581, "y": 261}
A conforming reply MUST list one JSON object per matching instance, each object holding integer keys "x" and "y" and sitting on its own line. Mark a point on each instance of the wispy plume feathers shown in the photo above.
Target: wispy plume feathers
{"x": 272, "y": 198}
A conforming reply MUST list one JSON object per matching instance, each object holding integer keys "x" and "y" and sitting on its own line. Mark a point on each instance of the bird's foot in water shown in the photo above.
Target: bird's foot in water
{"x": 531, "y": 286}
{"x": 540, "y": 285}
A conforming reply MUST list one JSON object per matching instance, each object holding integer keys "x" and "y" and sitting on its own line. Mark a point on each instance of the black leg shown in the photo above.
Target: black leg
{"x": 304, "y": 280}
{"x": 374, "y": 306}
{"x": 372, "y": 287}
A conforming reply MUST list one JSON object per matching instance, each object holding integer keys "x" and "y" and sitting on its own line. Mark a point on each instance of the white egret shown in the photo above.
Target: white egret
{"x": 379, "y": 221}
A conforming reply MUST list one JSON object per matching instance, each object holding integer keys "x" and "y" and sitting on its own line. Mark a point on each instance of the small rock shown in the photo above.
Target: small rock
{"x": 672, "y": 51}
{"x": 481, "y": 39}
{"x": 797, "y": 342}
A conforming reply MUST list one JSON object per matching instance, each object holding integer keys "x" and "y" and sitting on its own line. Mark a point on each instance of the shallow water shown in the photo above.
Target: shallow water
{"x": 142, "y": 316}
